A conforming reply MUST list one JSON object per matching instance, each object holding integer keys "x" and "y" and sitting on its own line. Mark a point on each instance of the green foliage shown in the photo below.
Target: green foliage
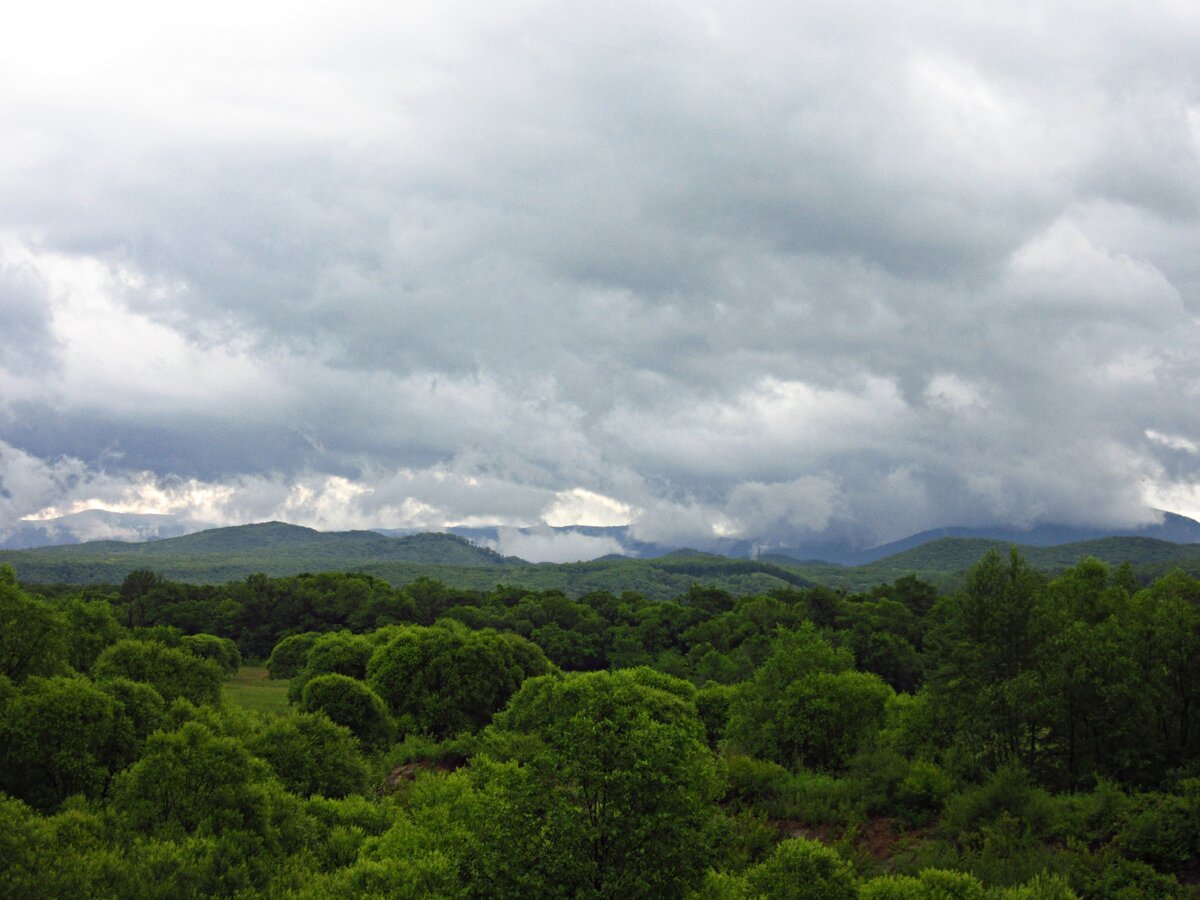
{"x": 984, "y": 645}
{"x": 802, "y": 869}
{"x": 612, "y": 799}
{"x": 91, "y": 626}
{"x": 193, "y": 781}
{"x": 171, "y": 672}
{"x": 1165, "y": 621}
{"x": 921, "y": 794}
{"x": 884, "y": 635}
{"x": 1106, "y": 873}
{"x": 812, "y": 797}
{"x": 349, "y": 702}
{"x": 64, "y": 855}
{"x": 604, "y": 783}
{"x": 712, "y": 703}
{"x": 829, "y": 715}
{"x": 336, "y": 653}
{"x": 33, "y": 635}
{"x": 756, "y": 782}
{"x": 1164, "y": 829}
{"x": 446, "y": 679}
{"x": 311, "y": 756}
{"x": 222, "y": 651}
{"x": 60, "y": 736}
{"x": 1041, "y": 887}
{"x": 290, "y": 654}
{"x": 930, "y": 884}
{"x": 1008, "y": 792}
{"x": 141, "y": 710}
{"x": 805, "y": 706}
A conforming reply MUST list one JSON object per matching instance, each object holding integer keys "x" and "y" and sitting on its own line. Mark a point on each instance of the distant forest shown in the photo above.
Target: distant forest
{"x": 278, "y": 549}
{"x": 1012, "y": 734}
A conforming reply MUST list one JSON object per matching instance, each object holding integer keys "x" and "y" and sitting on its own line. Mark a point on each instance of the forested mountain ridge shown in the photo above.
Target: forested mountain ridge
{"x": 273, "y": 547}
{"x": 279, "y": 549}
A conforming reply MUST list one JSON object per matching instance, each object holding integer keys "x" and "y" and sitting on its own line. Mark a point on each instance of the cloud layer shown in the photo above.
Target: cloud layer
{"x": 846, "y": 270}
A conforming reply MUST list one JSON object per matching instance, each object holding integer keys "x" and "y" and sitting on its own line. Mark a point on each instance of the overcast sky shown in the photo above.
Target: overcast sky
{"x": 771, "y": 270}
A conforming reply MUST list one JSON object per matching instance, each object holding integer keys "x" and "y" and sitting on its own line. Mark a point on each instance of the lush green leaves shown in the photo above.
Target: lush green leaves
{"x": 171, "y": 672}
{"x": 446, "y": 679}
{"x": 349, "y": 702}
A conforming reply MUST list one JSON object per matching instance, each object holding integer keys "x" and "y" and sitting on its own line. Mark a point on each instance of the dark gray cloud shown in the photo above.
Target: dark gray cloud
{"x": 29, "y": 345}
{"x": 841, "y": 269}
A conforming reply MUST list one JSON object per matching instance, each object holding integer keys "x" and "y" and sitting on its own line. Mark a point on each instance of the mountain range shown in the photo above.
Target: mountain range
{"x": 277, "y": 548}
{"x": 1173, "y": 528}
{"x": 583, "y": 542}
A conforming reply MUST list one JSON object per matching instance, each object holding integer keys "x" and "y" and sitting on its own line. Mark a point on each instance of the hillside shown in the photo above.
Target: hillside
{"x": 275, "y": 548}
{"x": 943, "y": 561}
{"x": 278, "y": 549}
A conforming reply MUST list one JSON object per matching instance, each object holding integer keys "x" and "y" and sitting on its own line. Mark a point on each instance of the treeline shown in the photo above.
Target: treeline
{"x": 1022, "y": 737}
{"x": 705, "y": 634}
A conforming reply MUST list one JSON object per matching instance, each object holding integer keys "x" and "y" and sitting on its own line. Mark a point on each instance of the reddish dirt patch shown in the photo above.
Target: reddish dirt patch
{"x": 409, "y": 771}
{"x": 877, "y": 838}
{"x": 826, "y": 834}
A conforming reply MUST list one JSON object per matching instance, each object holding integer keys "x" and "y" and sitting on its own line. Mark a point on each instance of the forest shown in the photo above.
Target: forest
{"x": 330, "y": 734}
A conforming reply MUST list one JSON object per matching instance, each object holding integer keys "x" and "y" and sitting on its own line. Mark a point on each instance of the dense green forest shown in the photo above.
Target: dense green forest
{"x": 1019, "y": 735}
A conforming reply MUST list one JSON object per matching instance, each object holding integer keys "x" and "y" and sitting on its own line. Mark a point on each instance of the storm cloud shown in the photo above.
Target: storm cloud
{"x": 773, "y": 271}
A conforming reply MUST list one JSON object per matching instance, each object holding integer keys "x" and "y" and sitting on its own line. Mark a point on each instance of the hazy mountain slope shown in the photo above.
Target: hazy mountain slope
{"x": 276, "y": 548}
{"x": 1174, "y": 529}
{"x": 95, "y": 525}
{"x": 272, "y": 547}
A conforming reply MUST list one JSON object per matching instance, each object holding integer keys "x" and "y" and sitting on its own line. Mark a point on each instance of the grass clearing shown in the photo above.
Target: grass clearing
{"x": 252, "y": 689}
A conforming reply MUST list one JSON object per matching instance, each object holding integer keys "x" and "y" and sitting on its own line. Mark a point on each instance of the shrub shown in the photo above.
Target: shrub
{"x": 336, "y": 653}
{"x": 930, "y": 884}
{"x": 349, "y": 702}
{"x": 222, "y": 651}
{"x": 1165, "y": 829}
{"x": 1009, "y": 791}
{"x": 800, "y": 869}
{"x": 290, "y": 655}
{"x": 445, "y": 680}
{"x": 58, "y": 737}
{"x": 171, "y": 672}
{"x": 311, "y": 755}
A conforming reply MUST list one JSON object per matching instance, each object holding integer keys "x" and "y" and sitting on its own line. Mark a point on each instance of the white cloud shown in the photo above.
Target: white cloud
{"x": 708, "y": 270}
{"x": 579, "y": 506}
{"x": 554, "y": 546}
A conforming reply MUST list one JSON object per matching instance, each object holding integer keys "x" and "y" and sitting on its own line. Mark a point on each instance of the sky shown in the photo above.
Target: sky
{"x": 776, "y": 271}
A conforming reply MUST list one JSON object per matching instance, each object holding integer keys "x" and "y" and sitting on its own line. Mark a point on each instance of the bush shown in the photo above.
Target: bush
{"x": 712, "y": 703}
{"x": 1165, "y": 829}
{"x": 171, "y": 672}
{"x": 1008, "y": 791}
{"x": 222, "y": 651}
{"x": 349, "y": 702}
{"x": 922, "y": 793}
{"x": 806, "y": 706}
{"x": 930, "y": 884}
{"x": 192, "y": 780}
{"x": 800, "y": 869}
{"x": 59, "y": 736}
{"x": 336, "y": 653}
{"x": 311, "y": 755}
{"x": 756, "y": 782}
{"x": 1107, "y": 874}
{"x": 140, "y": 710}
{"x": 446, "y": 680}
{"x": 290, "y": 655}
